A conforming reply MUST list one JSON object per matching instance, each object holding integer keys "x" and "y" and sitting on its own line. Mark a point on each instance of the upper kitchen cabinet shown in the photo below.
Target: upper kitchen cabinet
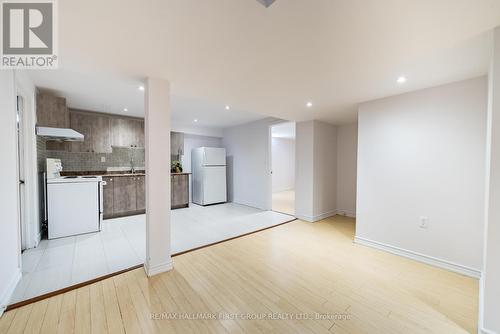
{"x": 51, "y": 111}
{"x": 176, "y": 143}
{"x": 95, "y": 128}
{"x": 82, "y": 123}
{"x": 127, "y": 132}
{"x": 101, "y": 134}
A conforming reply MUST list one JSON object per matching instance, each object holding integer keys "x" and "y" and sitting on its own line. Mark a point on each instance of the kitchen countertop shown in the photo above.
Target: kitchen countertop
{"x": 102, "y": 173}
{"x": 110, "y": 174}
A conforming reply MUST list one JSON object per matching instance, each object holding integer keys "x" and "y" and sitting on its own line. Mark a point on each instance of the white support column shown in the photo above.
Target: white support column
{"x": 157, "y": 126}
{"x": 489, "y": 309}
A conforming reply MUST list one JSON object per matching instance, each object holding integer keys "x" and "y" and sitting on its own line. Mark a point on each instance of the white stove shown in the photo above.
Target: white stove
{"x": 78, "y": 179}
{"x": 74, "y": 205}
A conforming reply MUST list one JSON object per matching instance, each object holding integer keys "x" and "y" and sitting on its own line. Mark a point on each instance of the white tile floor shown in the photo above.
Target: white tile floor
{"x": 121, "y": 244}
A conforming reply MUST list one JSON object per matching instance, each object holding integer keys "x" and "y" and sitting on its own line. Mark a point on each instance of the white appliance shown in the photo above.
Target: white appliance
{"x": 74, "y": 203}
{"x": 208, "y": 166}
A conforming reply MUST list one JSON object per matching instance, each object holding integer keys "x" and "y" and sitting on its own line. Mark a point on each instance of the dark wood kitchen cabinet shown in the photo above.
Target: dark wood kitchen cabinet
{"x": 176, "y": 144}
{"x": 127, "y": 132}
{"x": 81, "y": 123}
{"x": 179, "y": 190}
{"x": 101, "y": 134}
{"x": 125, "y": 195}
{"x": 51, "y": 111}
{"x": 96, "y": 130}
{"x": 141, "y": 192}
{"x": 108, "y": 197}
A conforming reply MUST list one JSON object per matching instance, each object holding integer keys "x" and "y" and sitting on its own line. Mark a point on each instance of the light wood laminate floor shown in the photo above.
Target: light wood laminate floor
{"x": 284, "y": 202}
{"x": 298, "y": 269}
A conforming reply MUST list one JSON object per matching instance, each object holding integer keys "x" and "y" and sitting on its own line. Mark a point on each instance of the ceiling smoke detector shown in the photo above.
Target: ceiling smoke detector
{"x": 266, "y": 3}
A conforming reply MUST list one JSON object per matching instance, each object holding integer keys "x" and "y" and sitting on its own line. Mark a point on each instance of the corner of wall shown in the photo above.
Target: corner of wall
{"x": 9, "y": 290}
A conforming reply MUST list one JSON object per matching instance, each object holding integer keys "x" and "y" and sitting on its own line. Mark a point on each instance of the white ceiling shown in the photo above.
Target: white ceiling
{"x": 271, "y": 61}
{"x": 113, "y": 94}
{"x": 283, "y": 130}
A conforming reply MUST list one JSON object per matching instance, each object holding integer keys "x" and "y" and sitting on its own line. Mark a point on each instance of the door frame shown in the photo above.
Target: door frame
{"x": 270, "y": 159}
{"x": 32, "y": 236}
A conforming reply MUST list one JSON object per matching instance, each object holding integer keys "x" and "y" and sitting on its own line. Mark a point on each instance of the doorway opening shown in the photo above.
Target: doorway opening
{"x": 283, "y": 167}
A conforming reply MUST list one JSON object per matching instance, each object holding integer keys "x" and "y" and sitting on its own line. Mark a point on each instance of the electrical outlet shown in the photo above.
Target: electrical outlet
{"x": 424, "y": 222}
{"x": 103, "y": 159}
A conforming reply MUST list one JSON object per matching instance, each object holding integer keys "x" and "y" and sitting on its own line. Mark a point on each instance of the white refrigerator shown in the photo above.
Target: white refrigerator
{"x": 208, "y": 167}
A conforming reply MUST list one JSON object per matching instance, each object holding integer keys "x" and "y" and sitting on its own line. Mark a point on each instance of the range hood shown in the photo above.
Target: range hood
{"x": 58, "y": 134}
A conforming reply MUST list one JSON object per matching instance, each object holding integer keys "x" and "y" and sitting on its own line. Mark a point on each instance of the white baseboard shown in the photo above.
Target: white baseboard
{"x": 7, "y": 293}
{"x": 458, "y": 268}
{"x": 158, "y": 269}
{"x": 313, "y": 219}
{"x": 347, "y": 213}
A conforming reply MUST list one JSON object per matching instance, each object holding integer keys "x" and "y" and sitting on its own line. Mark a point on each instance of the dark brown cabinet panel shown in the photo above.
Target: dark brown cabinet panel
{"x": 101, "y": 134}
{"x": 51, "y": 111}
{"x": 180, "y": 191}
{"x": 108, "y": 197}
{"x": 127, "y": 132}
{"x": 176, "y": 144}
{"x": 95, "y": 128}
{"x": 141, "y": 192}
{"x": 125, "y": 195}
{"x": 82, "y": 123}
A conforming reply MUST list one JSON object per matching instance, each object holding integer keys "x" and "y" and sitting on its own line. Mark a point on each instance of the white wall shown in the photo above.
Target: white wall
{"x": 316, "y": 170}
{"x": 347, "y": 149}
{"x": 304, "y": 170}
{"x": 283, "y": 163}
{"x": 325, "y": 170}
{"x": 193, "y": 141}
{"x": 489, "y": 303}
{"x": 248, "y": 155}
{"x": 10, "y": 272}
{"x": 423, "y": 154}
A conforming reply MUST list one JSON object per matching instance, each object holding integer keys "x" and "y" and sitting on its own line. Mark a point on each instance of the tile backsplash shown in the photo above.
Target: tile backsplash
{"x": 76, "y": 162}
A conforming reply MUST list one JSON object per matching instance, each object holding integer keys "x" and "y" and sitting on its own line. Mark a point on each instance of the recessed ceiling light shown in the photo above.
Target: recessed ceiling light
{"x": 309, "y": 104}
{"x": 401, "y": 80}
{"x": 227, "y": 107}
{"x": 141, "y": 87}
{"x": 195, "y": 120}
{"x": 125, "y": 109}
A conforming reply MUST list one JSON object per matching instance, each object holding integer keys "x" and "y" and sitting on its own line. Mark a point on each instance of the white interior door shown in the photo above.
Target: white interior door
{"x": 214, "y": 185}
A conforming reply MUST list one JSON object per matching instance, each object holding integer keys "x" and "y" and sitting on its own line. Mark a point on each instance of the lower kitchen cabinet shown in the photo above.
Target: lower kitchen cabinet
{"x": 141, "y": 192}
{"x": 124, "y": 196}
{"x": 179, "y": 191}
{"x": 108, "y": 193}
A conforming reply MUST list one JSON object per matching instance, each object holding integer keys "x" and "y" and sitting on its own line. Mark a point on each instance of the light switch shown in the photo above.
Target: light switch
{"x": 103, "y": 159}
